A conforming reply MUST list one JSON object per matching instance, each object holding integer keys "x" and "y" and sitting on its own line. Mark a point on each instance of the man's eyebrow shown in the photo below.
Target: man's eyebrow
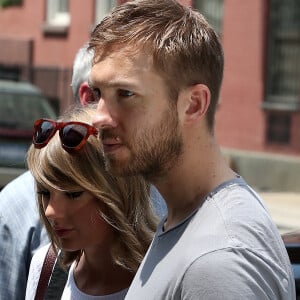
{"x": 112, "y": 84}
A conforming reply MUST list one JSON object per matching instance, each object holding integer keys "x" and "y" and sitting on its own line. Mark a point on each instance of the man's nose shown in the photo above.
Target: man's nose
{"x": 103, "y": 117}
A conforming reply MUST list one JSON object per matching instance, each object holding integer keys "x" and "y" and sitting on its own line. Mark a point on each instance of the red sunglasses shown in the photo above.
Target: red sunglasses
{"x": 73, "y": 135}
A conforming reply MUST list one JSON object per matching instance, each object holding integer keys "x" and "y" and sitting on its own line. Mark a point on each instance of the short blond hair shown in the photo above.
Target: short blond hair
{"x": 185, "y": 49}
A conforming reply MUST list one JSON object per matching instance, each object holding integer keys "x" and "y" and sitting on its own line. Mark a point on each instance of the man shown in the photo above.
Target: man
{"x": 157, "y": 73}
{"x": 21, "y": 232}
{"x": 81, "y": 71}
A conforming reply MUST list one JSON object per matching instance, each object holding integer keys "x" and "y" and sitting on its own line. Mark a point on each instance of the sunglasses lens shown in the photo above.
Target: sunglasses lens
{"x": 72, "y": 135}
{"x": 42, "y": 132}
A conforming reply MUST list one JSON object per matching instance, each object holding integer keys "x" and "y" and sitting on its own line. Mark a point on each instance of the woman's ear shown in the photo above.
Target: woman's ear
{"x": 198, "y": 102}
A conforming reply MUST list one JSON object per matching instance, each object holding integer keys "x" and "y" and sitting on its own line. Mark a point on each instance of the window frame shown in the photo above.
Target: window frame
{"x": 57, "y": 20}
{"x": 282, "y": 92}
{"x": 102, "y": 8}
{"x": 213, "y": 11}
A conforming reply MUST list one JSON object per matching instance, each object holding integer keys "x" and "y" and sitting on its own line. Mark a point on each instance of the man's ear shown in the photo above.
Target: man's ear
{"x": 198, "y": 102}
{"x": 86, "y": 94}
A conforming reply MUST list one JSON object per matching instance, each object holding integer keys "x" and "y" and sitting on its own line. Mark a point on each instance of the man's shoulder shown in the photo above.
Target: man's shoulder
{"x": 18, "y": 198}
{"x": 237, "y": 271}
{"x": 19, "y": 188}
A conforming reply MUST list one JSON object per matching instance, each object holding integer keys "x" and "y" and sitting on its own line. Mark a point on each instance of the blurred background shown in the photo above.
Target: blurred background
{"x": 258, "y": 119}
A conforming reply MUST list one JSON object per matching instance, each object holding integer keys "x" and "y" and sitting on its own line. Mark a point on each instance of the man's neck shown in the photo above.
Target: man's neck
{"x": 188, "y": 183}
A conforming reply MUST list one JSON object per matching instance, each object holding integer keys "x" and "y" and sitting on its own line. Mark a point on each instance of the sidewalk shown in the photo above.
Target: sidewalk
{"x": 284, "y": 209}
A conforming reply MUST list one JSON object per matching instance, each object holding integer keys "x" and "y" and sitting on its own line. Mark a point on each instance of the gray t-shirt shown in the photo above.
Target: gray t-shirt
{"x": 228, "y": 249}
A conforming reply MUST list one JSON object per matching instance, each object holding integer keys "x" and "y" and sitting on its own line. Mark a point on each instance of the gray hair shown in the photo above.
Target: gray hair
{"x": 81, "y": 69}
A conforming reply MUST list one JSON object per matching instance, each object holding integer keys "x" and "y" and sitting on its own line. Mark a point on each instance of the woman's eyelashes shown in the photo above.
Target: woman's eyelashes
{"x": 68, "y": 194}
{"x": 74, "y": 195}
{"x": 43, "y": 193}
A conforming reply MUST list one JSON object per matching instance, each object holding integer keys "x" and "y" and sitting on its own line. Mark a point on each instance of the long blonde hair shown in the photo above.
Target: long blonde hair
{"x": 128, "y": 206}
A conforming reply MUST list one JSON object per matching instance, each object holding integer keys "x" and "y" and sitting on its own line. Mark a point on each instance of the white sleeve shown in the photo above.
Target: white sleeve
{"x": 35, "y": 271}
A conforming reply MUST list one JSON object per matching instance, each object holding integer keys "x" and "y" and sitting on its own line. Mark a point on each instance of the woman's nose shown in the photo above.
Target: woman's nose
{"x": 54, "y": 208}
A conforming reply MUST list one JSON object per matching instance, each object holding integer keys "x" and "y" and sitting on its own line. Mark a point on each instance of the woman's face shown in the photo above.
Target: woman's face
{"x": 75, "y": 218}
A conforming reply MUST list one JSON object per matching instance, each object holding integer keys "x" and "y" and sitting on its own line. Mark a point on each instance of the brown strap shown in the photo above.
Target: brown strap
{"x": 45, "y": 274}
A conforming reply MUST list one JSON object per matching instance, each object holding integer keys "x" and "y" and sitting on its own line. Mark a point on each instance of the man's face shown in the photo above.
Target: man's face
{"x": 138, "y": 122}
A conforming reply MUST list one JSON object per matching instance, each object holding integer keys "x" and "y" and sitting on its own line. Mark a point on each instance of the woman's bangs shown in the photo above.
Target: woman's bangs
{"x": 53, "y": 168}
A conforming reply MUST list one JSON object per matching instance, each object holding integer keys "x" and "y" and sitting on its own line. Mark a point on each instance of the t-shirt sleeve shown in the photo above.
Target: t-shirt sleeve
{"x": 232, "y": 274}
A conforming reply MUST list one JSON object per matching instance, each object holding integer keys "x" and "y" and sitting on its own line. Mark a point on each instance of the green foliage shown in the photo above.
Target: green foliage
{"x": 6, "y": 3}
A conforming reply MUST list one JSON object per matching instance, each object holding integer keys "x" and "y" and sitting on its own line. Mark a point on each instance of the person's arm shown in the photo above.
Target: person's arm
{"x": 21, "y": 234}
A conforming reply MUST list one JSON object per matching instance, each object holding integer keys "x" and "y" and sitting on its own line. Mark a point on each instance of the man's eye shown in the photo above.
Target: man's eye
{"x": 125, "y": 93}
{"x": 74, "y": 194}
{"x": 97, "y": 93}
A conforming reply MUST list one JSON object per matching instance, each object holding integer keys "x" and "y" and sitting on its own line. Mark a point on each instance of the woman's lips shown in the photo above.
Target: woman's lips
{"x": 62, "y": 232}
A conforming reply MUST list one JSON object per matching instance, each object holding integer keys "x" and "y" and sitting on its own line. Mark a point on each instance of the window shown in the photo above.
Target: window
{"x": 57, "y": 17}
{"x": 278, "y": 128}
{"x": 212, "y": 11}
{"x": 102, "y": 8}
{"x": 6, "y": 3}
{"x": 283, "y": 64}
{"x": 10, "y": 72}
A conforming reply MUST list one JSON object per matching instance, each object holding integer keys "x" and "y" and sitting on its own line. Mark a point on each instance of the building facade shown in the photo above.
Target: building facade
{"x": 259, "y": 105}
{"x": 259, "y": 108}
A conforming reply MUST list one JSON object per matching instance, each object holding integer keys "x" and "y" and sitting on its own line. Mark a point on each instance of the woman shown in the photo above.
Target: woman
{"x": 101, "y": 225}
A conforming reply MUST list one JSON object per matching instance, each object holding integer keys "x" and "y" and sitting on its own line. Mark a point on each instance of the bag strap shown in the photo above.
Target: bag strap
{"x": 45, "y": 273}
{"x": 57, "y": 282}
